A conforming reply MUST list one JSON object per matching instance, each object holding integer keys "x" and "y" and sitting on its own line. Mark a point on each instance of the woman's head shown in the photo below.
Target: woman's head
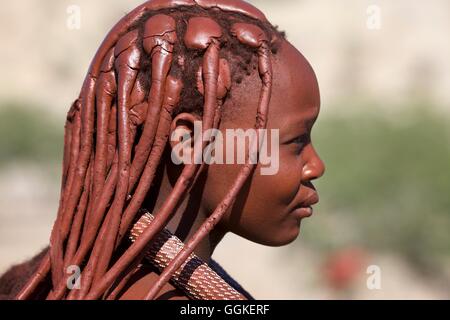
{"x": 165, "y": 65}
{"x": 268, "y": 209}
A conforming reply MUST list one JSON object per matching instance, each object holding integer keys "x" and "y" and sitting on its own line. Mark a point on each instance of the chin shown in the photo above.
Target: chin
{"x": 281, "y": 237}
{"x": 287, "y": 239}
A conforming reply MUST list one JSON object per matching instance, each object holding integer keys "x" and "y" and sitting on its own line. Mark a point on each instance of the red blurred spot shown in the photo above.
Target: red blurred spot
{"x": 343, "y": 266}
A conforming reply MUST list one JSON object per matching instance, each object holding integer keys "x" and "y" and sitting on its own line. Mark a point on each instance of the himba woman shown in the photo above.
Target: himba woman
{"x": 135, "y": 223}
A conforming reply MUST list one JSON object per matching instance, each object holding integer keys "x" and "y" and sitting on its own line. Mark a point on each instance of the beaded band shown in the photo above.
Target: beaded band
{"x": 194, "y": 277}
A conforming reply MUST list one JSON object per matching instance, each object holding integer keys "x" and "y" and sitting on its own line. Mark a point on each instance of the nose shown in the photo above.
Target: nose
{"x": 314, "y": 167}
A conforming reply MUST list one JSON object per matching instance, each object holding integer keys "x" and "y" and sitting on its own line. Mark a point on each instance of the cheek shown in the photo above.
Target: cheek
{"x": 264, "y": 218}
{"x": 266, "y": 197}
{"x": 282, "y": 187}
{"x": 261, "y": 196}
{"x": 220, "y": 179}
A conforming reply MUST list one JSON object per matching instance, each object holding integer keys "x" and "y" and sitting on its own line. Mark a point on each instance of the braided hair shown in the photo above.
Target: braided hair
{"x": 163, "y": 58}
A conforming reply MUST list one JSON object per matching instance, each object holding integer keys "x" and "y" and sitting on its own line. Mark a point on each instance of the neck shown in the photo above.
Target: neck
{"x": 187, "y": 220}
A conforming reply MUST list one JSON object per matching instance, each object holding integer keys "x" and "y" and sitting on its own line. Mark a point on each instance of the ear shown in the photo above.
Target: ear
{"x": 182, "y": 134}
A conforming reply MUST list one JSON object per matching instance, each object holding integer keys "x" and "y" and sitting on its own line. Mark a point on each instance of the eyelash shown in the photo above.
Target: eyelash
{"x": 301, "y": 141}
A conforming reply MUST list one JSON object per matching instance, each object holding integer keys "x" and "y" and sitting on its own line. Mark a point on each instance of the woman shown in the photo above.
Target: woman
{"x": 165, "y": 68}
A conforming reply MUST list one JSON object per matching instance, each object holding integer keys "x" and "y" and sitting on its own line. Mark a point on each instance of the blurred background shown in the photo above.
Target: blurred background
{"x": 382, "y": 229}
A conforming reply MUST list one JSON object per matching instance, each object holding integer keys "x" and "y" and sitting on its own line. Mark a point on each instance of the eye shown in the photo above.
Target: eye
{"x": 300, "y": 142}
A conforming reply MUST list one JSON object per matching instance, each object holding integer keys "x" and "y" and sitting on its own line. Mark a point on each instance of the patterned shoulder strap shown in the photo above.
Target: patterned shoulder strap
{"x": 195, "y": 277}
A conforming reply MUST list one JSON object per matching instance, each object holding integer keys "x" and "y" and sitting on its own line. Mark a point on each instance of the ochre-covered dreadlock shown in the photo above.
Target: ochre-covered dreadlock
{"x": 118, "y": 128}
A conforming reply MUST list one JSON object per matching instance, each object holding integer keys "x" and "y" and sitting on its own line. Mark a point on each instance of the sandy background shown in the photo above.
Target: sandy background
{"x": 44, "y": 62}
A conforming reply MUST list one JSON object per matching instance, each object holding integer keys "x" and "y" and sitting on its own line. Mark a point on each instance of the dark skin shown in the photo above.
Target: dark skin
{"x": 270, "y": 208}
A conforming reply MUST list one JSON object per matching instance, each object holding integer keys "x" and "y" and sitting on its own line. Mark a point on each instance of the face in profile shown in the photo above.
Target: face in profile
{"x": 269, "y": 209}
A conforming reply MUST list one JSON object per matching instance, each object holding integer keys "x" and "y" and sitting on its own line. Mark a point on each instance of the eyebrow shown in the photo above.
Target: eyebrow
{"x": 305, "y": 124}
{"x": 296, "y": 127}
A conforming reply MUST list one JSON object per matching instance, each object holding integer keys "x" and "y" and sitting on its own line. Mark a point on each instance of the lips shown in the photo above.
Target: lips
{"x": 304, "y": 208}
{"x": 303, "y": 212}
{"x": 309, "y": 200}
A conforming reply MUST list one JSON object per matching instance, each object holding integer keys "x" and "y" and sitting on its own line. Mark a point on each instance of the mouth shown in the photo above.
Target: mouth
{"x": 304, "y": 208}
{"x": 303, "y": 212}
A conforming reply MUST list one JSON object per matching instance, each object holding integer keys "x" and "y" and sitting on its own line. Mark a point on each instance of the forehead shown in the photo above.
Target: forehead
{"x": 295, "y": 95}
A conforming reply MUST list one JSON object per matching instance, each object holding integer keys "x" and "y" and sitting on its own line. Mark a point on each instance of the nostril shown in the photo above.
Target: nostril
{"x": 307, "y": 174}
